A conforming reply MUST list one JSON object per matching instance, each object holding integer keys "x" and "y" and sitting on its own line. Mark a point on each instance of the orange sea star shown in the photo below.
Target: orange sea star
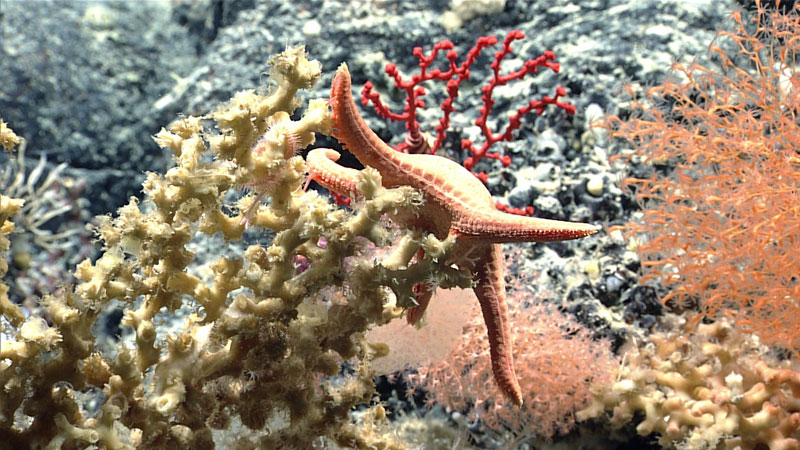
{"x": 456, "y": 202}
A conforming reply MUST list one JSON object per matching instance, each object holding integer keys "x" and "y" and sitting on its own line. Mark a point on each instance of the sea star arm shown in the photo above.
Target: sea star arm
{"x": 322, "y": 168}
{"x": 490, "y": 289}
{"x": 497, "y": 226}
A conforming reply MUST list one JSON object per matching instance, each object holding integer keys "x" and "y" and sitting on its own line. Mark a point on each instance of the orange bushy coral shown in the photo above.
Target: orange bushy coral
{"x": 557, "y": 360}
{"x": 721, "y": 224}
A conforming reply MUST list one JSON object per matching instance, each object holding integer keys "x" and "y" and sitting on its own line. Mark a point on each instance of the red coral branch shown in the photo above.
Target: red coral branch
{"x": 415, "y": 141}
{"x": 454, "y": 76}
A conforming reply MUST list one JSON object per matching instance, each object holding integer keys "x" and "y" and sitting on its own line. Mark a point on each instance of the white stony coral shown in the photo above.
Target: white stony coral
{"x": 36, "y": 330}
{"x": 704, "y": 387}
{"x": 263, "y": 170}
{"x": 293, "y": 70}
{"x": 273, "y": 166}
{"x": 8, "y": 139}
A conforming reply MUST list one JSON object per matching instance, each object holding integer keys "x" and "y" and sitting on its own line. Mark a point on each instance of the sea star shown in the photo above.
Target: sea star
{"x": 456, "y": 202}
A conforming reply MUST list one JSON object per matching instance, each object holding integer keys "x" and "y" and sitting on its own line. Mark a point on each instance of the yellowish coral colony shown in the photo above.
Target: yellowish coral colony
{"x": 265, "y": 338}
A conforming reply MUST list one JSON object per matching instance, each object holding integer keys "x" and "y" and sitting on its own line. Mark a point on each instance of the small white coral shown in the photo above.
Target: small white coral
{"x": 37, "y": 331}
{"x": 702, "y": 387}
